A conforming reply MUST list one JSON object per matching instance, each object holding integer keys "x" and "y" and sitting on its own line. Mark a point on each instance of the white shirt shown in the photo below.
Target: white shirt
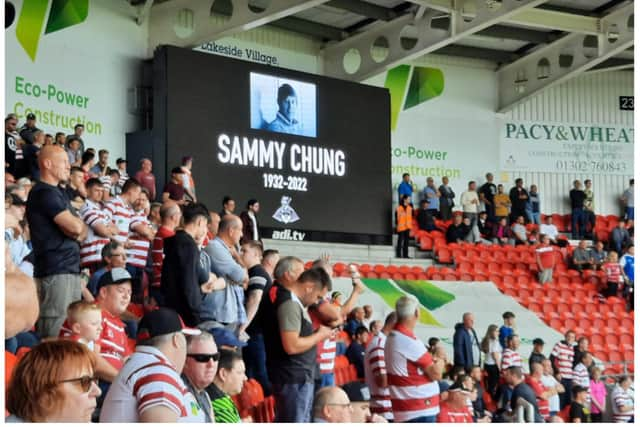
{"x": 494, "y": 347}
{"x": 549, "y": 230}
{"x": 554, "y": 401}
{"x": 466, "y": 200}
{"x": 252, "y": 217}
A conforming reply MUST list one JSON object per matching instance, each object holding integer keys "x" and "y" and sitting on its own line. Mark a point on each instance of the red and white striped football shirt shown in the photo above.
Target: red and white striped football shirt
{"x": 563, "y": 354}
{"x": 326, "y": 350}
{"x": 374, "y": 365}
{"x": 413, "y": 394}
{"x": 149, "y": 380}
{"x": 91, "y": 248}
{"x": 137, "y": 254}
{"x": 510, "y": 358}
{"x": 122, "y": 215}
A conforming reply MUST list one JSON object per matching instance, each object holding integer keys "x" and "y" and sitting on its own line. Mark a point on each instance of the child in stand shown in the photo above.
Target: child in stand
{"x": 84, "y": 319}
{"x": 614, "y": 274}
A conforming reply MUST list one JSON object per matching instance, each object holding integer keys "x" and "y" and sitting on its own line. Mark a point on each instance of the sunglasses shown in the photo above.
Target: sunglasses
{"x": 85, "y": 382}
{"x": 204, "y": 358}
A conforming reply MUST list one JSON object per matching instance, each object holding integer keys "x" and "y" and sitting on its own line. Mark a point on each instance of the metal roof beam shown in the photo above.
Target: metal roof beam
{"x": 563, "y": 59}
{"x": 364, "y": 8}
{"x": 189, "y": 23}
{"x": 309, "y": 28}
{"x": 612, "y": 64}
{"x": 353, "y": 58}
{"x": 533, "y": 17}
{"x": 499, "y": 56}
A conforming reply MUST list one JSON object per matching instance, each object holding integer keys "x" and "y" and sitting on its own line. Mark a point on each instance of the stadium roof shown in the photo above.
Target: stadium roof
{"x": 533, "y": 43}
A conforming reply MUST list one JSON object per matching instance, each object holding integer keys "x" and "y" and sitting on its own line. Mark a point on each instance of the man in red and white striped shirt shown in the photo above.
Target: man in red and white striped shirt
{"x": 375, "y": 370}
{"x": 149, "y": 388}
{"x": 124, "y": 216}
{"x": 170, "y": 215}
{"x": 100, "y": 227}
{"x": 623, "y": 402}
{"x": 510, "y": 355}
{"x": 562, "y": 359}
{"x": 412, "y": 374}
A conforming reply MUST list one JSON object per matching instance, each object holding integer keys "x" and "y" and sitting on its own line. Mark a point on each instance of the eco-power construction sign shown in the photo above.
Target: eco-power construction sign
{"x": 562, "y": 147}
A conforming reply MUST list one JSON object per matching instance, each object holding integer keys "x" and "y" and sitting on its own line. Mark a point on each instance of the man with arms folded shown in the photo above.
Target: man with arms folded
{"x": 56, "y": 236}
{"x": 412, "y": 373}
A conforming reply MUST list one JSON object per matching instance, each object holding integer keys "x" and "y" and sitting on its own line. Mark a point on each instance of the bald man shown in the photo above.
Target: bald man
{"x": 170, "y": 216}
{"x": 56, "y": 235}
{"x": 332, "y": 405}
{"x": 227, "y": 308}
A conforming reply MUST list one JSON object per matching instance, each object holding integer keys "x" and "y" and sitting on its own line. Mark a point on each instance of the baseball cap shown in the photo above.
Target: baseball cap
{"x": 357, "y": 391}
{"x": 115, "y": 276}
{"x": 163, "y": 321}
{"x": 31, "y": 116}
{"x": 120, "y": 160}
{"x": 224, "y": 337}
{"x": 457, "y": 387}
{"x": 538, "y": 341}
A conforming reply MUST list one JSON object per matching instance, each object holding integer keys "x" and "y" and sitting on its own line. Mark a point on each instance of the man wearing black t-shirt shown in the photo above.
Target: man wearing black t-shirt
{"x": 514, "y": 377}
{"x": 518, "y": 196}
{"x": 55, "y": 235}
{"x": 287, "y": 328}
{"x": 486, "y": 193}
{"x": 259, "y": 282}
{"x": 577, "y": 197}
{"x": 580, "y": 411}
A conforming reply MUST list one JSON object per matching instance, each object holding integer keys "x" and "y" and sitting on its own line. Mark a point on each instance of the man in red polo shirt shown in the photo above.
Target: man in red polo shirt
{"x": 546, "y": 260}
{"x": 412, "y": 373}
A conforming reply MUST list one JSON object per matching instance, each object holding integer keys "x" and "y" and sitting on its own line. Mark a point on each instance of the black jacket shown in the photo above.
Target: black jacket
{"x": 179, "y": 282}
{"x": 455, "y": 232}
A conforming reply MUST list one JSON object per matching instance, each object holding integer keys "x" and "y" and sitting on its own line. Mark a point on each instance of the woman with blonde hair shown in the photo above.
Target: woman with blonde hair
{"x": 54, "y": 382}
{"x": 492, "y": 349}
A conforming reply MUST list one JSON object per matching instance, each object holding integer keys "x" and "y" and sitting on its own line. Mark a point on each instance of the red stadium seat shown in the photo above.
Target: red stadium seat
{"x": 611, "y": 340}
{"x": 410, "y": 276}
{"x": 437, "y": 276}
{"x": 480, "y": 277}
{"x": 379, "y": 268}
{"x": 497, "y": 279}
{"x": 465, "y": 267}
{"x": 391, "y": 269}
{"x": 444, "y": 256}
{"x": 466, "y": 277}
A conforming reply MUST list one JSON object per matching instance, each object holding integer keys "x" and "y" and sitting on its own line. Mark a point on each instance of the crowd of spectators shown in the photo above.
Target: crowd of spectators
{"x": 146, "y": 306}
{"x": 490, "y": 216}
